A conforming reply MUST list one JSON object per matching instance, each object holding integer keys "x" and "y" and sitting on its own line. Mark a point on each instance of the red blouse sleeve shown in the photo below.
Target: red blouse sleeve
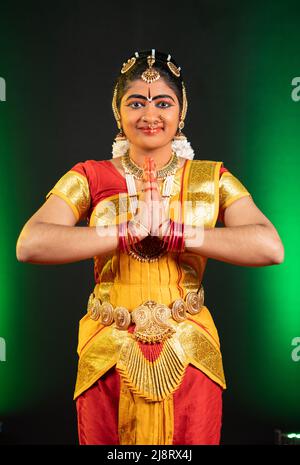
{"x": 222, "y": 170}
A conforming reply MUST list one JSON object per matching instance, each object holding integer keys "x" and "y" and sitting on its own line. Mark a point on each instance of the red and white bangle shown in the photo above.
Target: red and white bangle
{"x": 175, "y": 237}
{"x": 123, "y": 237}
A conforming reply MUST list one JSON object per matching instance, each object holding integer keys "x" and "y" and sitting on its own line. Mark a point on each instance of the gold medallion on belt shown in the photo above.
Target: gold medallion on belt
{"x": 153, "y": 320}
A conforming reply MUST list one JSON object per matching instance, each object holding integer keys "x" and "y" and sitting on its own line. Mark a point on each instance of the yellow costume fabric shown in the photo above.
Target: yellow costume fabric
{"x": 146, "y": 392}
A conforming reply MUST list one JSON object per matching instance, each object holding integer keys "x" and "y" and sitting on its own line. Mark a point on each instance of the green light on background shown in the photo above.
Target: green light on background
{"x": 9, "y": 276}
{"x": 293, "y": 435}
{"x": 269, "y": 140}
{"x": 16, "y": 372}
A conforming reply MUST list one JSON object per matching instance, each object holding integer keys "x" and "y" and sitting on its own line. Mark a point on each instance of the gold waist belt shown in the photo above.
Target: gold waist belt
{"x": 150, "y": 318}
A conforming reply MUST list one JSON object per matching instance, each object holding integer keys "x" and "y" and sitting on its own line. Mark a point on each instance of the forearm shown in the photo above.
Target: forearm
{"x": 45, "y": 243}
{"x": 246, "y": 245}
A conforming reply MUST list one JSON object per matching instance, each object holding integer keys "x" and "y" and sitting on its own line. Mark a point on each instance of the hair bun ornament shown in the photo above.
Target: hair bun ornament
{"x": 174, "y": 69}
{"x": 129, "y": 64}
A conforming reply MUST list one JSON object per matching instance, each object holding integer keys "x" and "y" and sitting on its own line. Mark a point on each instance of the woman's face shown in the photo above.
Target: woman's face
{"x": 154, "y": 104}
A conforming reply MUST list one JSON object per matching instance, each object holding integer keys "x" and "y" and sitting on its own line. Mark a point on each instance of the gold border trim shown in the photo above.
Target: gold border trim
{"x": 217, "y": 196}
{"x": 236, "y": 197}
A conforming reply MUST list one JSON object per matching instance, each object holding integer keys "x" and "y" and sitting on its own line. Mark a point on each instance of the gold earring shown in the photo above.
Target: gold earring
{"x": 115, "y": 107}
{"x": 120, "y": 136}
{"x": 179, "y": 135}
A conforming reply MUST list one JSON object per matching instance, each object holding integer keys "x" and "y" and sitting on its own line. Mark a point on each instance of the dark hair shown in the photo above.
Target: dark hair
{"x": 124, "y": 80}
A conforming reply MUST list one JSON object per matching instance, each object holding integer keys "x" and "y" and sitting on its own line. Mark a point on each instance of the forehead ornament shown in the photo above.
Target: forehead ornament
{"x": 150, "y": 75}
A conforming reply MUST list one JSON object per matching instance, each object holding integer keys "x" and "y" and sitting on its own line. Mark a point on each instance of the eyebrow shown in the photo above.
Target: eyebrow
{"x": 153, "y": 98}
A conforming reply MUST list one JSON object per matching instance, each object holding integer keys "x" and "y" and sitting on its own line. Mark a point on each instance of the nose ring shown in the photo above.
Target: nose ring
{"x": 149, "y": 124}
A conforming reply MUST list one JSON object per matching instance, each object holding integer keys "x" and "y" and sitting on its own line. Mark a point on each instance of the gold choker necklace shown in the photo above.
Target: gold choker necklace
{"x": 130, "y": 167}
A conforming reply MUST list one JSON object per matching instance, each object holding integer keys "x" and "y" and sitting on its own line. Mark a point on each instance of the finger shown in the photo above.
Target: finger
{"x": 146, "y": 170}
{"x": 149, "y": 175}
{"x": 155, "y": 192}
{"x": 152, "y": 169}
{"x": 157, "y": 205}
{"x": 147, "y": 183}
{"x": 146, "y": 193}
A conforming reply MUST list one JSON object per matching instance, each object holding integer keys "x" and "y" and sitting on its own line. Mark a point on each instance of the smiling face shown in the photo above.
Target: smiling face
{"x": 155, "y": 105}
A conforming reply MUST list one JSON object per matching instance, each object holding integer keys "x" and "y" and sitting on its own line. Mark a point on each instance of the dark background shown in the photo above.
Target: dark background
{"x": 59, "y": 60}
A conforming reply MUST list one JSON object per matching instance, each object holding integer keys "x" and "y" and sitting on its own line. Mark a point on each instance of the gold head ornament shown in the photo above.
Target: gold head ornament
{"x": 150, "y": 75}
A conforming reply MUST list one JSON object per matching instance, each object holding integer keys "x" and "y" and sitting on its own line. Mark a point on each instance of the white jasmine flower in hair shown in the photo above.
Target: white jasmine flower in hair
{"x": 119, "y": 148}
{"x": 183, "y": 149}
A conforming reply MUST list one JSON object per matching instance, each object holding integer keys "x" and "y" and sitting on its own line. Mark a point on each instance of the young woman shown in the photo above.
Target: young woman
{"x": 150, "y": 367}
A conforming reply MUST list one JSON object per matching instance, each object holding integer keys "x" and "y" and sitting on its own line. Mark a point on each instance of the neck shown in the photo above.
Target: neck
{"x": 161, "y": 155}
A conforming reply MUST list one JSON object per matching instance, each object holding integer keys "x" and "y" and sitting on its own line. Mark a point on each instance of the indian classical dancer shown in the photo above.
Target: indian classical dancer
{"x": 150, "y": 366}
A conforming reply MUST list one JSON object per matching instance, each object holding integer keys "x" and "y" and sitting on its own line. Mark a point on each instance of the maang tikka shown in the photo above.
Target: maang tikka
{"x": 180, "y": 145}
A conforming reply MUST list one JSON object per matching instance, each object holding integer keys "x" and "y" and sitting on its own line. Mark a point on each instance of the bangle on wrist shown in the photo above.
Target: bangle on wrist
{"x": 122, "y": 230}
{"x": 175, "y": 241}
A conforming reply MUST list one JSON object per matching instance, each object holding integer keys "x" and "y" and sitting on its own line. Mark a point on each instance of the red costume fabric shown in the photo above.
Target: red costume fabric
{"x": 197, "y": 416}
